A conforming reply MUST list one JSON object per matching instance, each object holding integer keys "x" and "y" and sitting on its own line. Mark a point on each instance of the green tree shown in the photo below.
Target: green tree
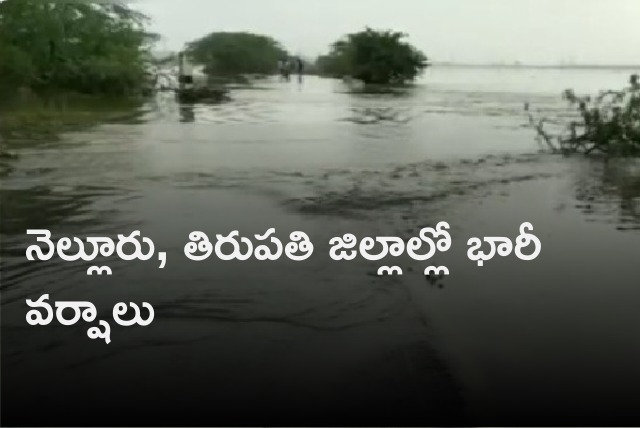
{"x": 89, "y": 47}
{"x": 375, "y": 57}
{"x": 228, "y": 54}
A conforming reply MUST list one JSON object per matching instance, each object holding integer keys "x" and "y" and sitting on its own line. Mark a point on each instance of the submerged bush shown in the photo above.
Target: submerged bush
{"x": 374, "y": 57}
{"x": 608, "y": 123}
{"x": 236, "y": 53}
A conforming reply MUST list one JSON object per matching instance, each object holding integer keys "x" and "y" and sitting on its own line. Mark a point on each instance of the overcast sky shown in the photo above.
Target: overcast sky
{"x": 481, "y": 31}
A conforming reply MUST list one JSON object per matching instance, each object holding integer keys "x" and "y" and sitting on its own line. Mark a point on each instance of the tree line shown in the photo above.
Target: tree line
{"x": 104, "y": 48}
{"x": 375, "y": 57}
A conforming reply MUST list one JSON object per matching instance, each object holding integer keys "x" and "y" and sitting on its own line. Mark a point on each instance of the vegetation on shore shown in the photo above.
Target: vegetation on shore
{"x": 61, "y": 63}
{"x": 608, "y": 123}
{"x": 374, "y": 57}
{"x": 84, "y": 47}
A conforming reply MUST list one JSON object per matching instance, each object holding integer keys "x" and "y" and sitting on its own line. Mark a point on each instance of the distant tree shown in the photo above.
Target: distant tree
{"x": 227, "y": 54}
{"x": 95, "y": 47}
{"x": 375, "y": 57}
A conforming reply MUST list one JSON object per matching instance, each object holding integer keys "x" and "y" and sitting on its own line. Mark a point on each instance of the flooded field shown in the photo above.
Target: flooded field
{"x": 549, "y": 341}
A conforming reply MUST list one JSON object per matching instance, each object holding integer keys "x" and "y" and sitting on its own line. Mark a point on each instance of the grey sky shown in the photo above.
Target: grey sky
{"x": 531, "y": 31}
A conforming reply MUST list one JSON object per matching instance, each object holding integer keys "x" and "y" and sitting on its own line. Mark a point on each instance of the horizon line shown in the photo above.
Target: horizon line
{"x": 532, "y": 65}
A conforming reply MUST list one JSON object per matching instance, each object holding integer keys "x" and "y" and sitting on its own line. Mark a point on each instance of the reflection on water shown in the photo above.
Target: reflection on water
{"x": 323, "y": 335}
{"x": 423, "y": 184}
{"x": 187, "y": 113}
{"x": 370, "y": 115}
{"x": 610, "y": 191}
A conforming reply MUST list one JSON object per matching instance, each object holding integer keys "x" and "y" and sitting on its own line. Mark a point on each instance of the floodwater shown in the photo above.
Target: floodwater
{"x": 554, "y": 340}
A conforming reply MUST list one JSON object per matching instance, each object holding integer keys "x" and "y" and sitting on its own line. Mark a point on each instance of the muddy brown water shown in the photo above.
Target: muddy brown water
{"x": 549, "y": 341}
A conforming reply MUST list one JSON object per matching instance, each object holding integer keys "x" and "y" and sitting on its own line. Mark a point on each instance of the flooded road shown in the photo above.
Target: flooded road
{"x": 549, "y": 341}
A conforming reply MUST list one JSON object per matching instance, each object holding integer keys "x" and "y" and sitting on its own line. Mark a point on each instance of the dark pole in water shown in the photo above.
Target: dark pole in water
{"x": 185, "y": 73}
{"x": 185, "y": 79}
{"x": 187, "y": 91}
{"x": 300, "y": 63}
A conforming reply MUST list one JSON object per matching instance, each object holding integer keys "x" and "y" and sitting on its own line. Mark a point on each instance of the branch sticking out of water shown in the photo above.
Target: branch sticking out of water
{"x": 608, "y": 123}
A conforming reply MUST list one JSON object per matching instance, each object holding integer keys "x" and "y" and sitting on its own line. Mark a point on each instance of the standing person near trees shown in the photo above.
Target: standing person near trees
{"x": 299, "y": 68}
{"x": 281, "y": 68}
{"x": 284, "y": 67}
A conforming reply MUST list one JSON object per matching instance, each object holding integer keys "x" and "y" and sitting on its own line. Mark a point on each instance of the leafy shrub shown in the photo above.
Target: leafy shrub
{"x": 608, "y": 123}
{"x": 227, "y": 53}
{"x": 375, "y": 57}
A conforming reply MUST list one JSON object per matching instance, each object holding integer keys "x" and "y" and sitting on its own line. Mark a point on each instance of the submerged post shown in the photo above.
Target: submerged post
{"x": 185, "y": 73}
{"x": 187, "y": 91}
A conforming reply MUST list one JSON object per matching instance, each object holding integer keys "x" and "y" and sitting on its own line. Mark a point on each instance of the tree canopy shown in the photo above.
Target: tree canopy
{"x": 229, "y": 53}
{"x": 375, "y": 57}
{"x": 90, "y": 47}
